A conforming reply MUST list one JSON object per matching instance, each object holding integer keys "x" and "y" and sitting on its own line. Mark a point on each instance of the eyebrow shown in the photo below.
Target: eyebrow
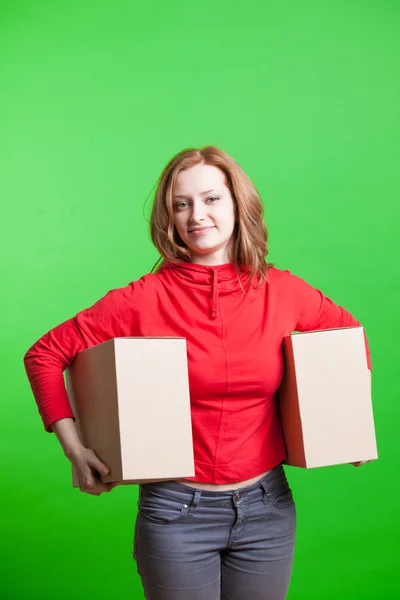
{"x": 201, "y": 194}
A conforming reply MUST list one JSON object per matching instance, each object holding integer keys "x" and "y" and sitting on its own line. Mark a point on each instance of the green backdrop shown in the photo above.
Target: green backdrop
{"x": 95, "y": 98}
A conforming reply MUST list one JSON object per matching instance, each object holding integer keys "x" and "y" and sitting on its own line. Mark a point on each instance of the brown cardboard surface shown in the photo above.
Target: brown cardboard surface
{"x": 132, "y": 405}
{"x": 325, "y": 398}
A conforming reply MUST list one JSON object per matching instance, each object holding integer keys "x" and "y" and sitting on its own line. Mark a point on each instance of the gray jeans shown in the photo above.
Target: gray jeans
{"x": 200, "y": 545}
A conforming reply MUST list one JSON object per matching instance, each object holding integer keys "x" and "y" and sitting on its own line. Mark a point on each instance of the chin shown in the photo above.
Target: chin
{"x": 203, "y": 249}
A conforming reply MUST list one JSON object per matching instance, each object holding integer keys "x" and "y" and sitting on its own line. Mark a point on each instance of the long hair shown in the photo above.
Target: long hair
{"x": 249, "y": 247}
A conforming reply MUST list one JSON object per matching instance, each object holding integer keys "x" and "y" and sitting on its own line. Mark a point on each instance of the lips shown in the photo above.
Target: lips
{"x": 201, "y": 230}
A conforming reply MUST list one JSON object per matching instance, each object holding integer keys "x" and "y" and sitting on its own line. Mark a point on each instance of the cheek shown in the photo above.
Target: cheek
{"x": 179, "y": 226}
{"x": 228, "y": 219}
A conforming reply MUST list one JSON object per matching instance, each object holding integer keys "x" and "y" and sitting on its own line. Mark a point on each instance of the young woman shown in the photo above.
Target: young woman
{"x": 229, "y": 532}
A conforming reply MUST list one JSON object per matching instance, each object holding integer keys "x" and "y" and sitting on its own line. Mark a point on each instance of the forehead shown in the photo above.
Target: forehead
{"x": 199, "y": 178}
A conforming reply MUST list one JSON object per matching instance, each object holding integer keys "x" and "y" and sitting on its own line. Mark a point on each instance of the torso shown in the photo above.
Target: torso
{"x": 235, "y": 366}
{"x": 223, "y": 487}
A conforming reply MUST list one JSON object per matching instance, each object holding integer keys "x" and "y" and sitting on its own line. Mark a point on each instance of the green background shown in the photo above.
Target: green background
{"x": 95, "y": 98}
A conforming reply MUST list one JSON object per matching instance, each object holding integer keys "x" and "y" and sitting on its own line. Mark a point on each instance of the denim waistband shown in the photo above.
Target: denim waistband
{"x": 186, "y": 492}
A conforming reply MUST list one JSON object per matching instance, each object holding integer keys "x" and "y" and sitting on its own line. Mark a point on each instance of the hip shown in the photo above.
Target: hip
{"x": 173, "y": 501}
{"x": 223, "y": 487}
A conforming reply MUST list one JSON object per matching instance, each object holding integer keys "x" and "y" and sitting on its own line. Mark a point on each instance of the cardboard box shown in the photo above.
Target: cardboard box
{"x": 131, "y": 400}
{"x": 325, "y": 398}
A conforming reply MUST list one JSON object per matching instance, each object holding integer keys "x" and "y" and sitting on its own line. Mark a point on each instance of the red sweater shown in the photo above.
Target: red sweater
{"x": 234, "y": 354}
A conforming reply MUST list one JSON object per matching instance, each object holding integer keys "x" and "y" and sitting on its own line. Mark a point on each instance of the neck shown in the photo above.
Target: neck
{"x": 213, "y": 259}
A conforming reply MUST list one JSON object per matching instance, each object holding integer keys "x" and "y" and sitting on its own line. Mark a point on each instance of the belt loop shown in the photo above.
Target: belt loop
{"x": 195, "y": 501}
{"x": 263, "y": 484}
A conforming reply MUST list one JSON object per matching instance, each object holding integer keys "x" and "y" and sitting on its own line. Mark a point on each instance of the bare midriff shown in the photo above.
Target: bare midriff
{"x": 223, "y": 487}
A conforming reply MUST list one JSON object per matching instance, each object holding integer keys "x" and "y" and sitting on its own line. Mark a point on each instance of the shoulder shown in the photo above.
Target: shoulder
{"x": 285, "y": 282}
{"x": 131, "y": 294}
{"x": 146, "y": 284}
{"x": 282, "y": 277}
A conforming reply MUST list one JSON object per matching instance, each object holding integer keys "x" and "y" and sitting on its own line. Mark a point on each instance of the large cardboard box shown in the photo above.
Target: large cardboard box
{"x": 325, "y": 398}
{"x": 131, "y": 400}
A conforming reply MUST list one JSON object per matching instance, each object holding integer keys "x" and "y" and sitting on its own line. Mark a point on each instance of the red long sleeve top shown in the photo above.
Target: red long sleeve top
{"x": 234, "y": 339}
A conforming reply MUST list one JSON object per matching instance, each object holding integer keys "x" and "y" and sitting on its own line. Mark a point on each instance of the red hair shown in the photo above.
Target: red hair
{"x": 250, "y": 236}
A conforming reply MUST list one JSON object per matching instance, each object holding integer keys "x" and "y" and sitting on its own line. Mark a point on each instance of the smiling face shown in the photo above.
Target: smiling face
{"x": 204, "y": 214}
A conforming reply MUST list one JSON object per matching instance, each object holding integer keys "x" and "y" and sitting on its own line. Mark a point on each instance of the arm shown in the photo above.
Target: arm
{"x": 112, "y": 316}
{"x": 46, "y": 360}
{"x": 316, "y": 311}
{"x": 67, "y": 435}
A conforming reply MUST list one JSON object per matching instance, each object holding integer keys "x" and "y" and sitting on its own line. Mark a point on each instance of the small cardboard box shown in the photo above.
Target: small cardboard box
{"x": 325, "y": 398}
{"x": 131, "y": 400}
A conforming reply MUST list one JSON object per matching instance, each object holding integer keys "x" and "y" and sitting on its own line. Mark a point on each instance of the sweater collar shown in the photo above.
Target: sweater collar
{"x": 217, "y": 279}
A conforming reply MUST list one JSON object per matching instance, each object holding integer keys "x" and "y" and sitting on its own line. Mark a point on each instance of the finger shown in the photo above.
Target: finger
{"x": 99, "y": 486}
{"x": 93, "y": 488}
{"x": 89, "y": 487}
{"x": 98, "y": 465}
{"x": 88, "y": 479}
{"x": 98, "y": 489}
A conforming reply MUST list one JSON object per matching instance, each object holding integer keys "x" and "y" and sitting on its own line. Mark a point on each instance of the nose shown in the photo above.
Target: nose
{"x": 197, "y": 214}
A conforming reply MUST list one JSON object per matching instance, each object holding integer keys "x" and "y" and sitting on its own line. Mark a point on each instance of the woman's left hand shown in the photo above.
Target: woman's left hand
{"x": 359, "y": 463}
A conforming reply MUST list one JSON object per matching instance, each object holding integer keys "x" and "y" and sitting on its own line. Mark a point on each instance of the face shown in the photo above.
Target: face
{"x": 204, "y": 214}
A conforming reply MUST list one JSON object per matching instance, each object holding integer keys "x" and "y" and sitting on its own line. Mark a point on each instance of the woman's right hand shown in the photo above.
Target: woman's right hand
{"x": 88, "y": 468}
{"x": 86, "y": 464}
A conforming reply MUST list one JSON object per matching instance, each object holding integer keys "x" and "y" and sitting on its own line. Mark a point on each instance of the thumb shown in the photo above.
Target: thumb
{"x": 96, "y": 463}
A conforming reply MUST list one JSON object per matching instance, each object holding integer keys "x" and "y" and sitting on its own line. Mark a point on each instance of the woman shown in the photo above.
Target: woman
{"x": 228, "y": 533}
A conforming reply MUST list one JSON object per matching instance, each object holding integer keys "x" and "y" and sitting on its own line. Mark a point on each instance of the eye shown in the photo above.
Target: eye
{"x": 181, "y": 205}
{"x": 212, "y": 199}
